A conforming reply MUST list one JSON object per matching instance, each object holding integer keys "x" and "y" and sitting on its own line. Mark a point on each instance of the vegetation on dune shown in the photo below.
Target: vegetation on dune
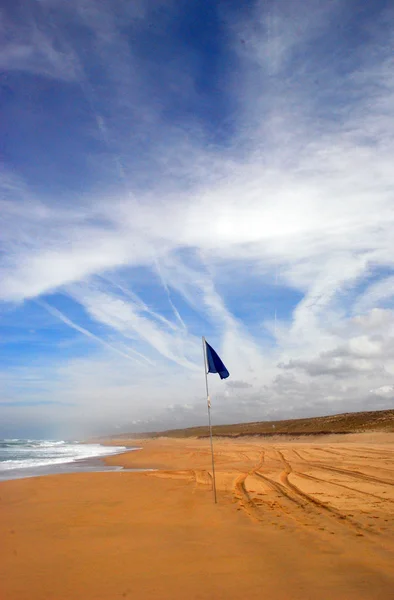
{"x": 380, "y": 420}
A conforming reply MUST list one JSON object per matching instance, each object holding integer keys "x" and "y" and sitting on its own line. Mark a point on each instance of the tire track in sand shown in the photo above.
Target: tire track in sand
{"x": 355, "y": 474}
{"x": 310, "y": 514}
{"x": 345, "y": 457}
{"x": 322, "y": 507}
{"x": 242, "y": 495}
{"x": 347, "y": 487}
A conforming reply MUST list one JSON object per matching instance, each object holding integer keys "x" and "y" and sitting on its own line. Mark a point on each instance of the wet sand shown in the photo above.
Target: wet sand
{"x": 295, "y": 520}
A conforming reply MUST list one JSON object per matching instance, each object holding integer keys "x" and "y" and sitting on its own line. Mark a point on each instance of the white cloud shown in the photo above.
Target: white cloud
{"x": 57, "y": 313}
{"x": 386, "y": 391}
{"x": 136, "y": 320}
{"x": 26, "y": 47}
{"x": 377, "y": 293}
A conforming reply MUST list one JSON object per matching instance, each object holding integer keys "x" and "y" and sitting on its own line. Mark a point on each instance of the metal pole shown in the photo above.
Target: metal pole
{"x": 209, "y": 418}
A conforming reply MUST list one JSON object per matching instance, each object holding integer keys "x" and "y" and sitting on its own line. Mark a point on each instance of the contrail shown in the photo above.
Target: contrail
{"x": 165, "y": 286}
{"x": 57, "y": 313}
{"x": 140, "y": 302}
{"x": 89, "y": 93}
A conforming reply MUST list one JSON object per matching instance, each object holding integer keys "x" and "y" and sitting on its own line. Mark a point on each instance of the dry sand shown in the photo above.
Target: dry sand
{"x": 295, "y": 520}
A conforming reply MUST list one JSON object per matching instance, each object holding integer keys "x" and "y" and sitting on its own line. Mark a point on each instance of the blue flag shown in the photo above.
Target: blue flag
{"x": 214, "y": 362}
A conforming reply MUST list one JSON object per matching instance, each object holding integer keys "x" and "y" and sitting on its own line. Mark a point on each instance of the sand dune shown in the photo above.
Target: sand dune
{"x": 345, "y": 423}
{"x": 295, "y": 520}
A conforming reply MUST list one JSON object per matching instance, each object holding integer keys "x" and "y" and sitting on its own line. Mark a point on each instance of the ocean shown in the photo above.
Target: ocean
{"x": 29, "y": 458}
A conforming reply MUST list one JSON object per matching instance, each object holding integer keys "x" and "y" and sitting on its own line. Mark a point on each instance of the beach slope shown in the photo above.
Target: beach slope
{"x": 294, "y": 520}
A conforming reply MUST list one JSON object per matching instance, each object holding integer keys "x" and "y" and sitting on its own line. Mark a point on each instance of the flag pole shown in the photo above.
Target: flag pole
{"x": 209, "y": 417}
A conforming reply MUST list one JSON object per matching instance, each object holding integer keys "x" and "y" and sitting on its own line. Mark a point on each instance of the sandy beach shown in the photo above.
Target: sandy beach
{"x": 300, "y": 519}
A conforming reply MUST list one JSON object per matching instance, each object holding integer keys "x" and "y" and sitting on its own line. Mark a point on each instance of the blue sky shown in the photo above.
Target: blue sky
{"x": 178, "y": 169}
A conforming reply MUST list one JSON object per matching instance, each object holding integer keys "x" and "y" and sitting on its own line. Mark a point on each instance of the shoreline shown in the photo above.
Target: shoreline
{"x": 294, "y": 520}
{"x": 84, "y": 465}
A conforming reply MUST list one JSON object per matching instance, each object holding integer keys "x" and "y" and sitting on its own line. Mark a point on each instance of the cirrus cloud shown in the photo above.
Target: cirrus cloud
{"x": 258, "y": 214}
